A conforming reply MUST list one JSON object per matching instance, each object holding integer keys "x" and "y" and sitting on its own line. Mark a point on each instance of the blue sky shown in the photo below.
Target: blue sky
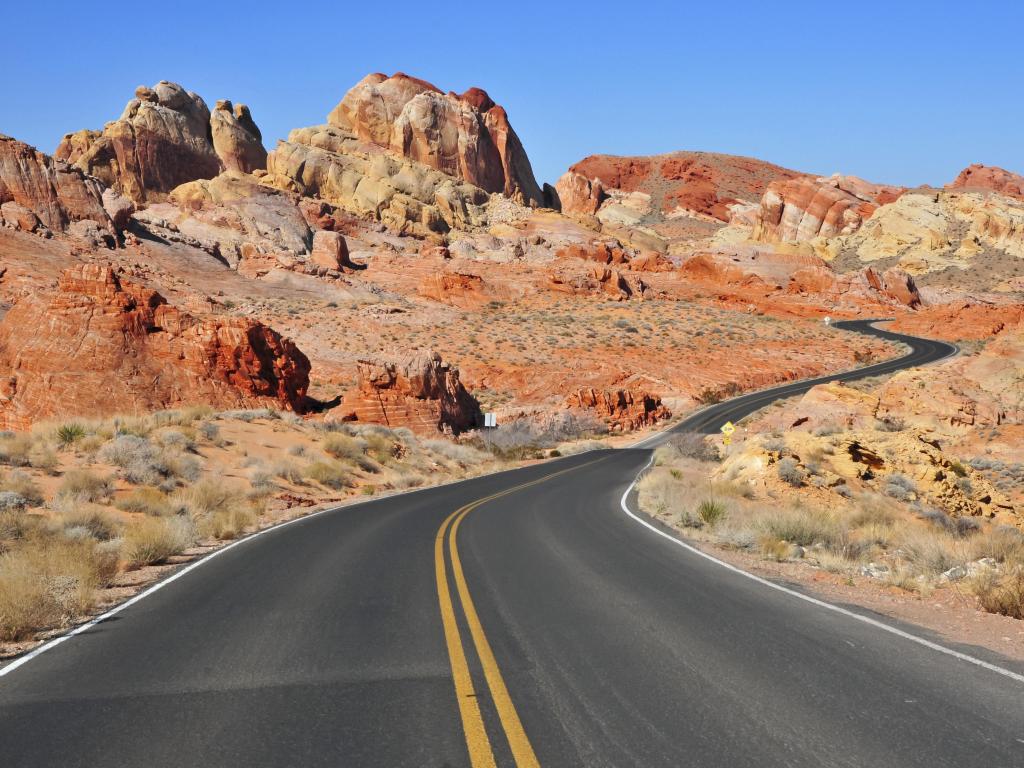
{"x": 899, "y": 92}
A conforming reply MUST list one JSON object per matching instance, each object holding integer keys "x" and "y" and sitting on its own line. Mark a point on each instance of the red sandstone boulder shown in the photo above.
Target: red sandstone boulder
{"x": 990, "y": 177}
{"x": 417, "y": 391}
{"x": 623, "y": 409}
{"x": 459, "y": 289}
{"x": 330, "y": 250}
{"x": 46, "y": 191}
{"x": 467, "y": 136}
{"x": 98, "y": 346}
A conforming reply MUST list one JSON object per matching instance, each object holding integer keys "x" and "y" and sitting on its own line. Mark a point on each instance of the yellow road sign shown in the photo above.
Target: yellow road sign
{"x": 728, "y": 428}
{"x": 726, "y": 440}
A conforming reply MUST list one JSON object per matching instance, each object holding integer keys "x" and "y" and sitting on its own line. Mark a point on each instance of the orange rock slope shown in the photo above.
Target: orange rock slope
{"x": 98, "y": 346}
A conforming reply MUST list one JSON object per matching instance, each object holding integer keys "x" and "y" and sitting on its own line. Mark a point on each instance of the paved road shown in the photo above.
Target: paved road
{"x": 557, "y": 632}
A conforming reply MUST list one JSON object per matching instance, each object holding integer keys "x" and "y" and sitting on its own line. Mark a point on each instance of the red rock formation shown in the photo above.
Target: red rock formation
{"x": 164, "y": 138}
{"x": 979, "y": 176}
{"x": 623, "y": 409}
{"x": 704, "y": 183}
{"x": 98, "y": 347}
{"x": 602, "y": 253}
{"x": 594, "y": 280}
{"x": 467, "y": 136}
{"x": 459, "y": 289}
{"x": 48, "y": 190}
{"x": 417, "y": 391}
{"x": 802, "y": 209}
{"x": 330, "y": 250}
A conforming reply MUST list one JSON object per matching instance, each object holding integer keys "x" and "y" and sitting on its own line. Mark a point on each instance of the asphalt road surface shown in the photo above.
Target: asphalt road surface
{"x": 517, "y": 619}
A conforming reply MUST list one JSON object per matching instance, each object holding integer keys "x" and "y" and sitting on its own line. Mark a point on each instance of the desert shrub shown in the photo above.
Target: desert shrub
{"x": 890, "y": 425}
{"x": 936, "y": 517}
{"x": 69, "y": 434}
{"x": 964, "y": 484}
{"x": 574, "y": 448}
{"x": 261, "y": 480}
{"x": 899, "y": 487}
{"x": 47, "y": 583}
{"x": 41, "y": 457}
{"x": 827, "y": 429}
{"x": 22, "y": 484}
{"x": 11, "y": 501}
{"x": 80, "y": 520}
{"x": 176, "y": 439}
{"x": 460, "y": 453}
{"x": 230, "y": 522}
{"x": 791, "y": 472}
{"x": 804, "y": 527}
{"x": 143, "y": 463}
{"x": 773, "y": 444}
{"x": 872, "y": 511}
{"x": 250, "y": 415}
{"x": 145, "y": 500}
{"x": 207, "y": 497}
{"x": 328, "y": 473}
{"x": 15, "y": 449}
{"x": 151, "y": 540}
{"x": 342, "y": 446}
{"x": 288, "y": 471}
{"x": 692, "y": 445}
{"x": 85, "y": 485}
{"x": 139, "y": 426}
{"x": 408, "y": 480}
{"x": 958, "y": 469}
{"x": 297, "y": 450}
{"x": 1004, "y": 544}
{"x": 711, "y": 511}
{"x": 966, "y": 526}
{"x": 210, "y": 431}
{"x": 930, "y": 552}
{"x": 709, "y": 396}
{"x": 660, "y": 493}
{"x": 1002, "y": 594}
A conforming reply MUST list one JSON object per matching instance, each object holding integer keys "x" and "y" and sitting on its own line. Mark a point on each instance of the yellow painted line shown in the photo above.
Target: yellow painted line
{"x": 480, "y": 751}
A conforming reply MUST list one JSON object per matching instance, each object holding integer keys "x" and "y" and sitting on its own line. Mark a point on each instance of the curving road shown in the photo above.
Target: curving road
{"x": 517, "y": 619}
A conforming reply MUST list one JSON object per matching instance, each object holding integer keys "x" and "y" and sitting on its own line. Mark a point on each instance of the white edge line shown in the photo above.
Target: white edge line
{"x": 807, "y": 598}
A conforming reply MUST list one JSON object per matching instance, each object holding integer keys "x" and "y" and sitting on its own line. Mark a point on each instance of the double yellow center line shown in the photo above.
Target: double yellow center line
{"x": 481, "y": 753}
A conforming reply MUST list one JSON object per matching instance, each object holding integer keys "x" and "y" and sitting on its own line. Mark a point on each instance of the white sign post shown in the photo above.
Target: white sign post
{"x": 490, "y": 420}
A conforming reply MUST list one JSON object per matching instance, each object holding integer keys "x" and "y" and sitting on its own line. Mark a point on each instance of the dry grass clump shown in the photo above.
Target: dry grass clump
{"x": 330, "y": 474}
{"x": 152, "y": 540}
{"x": 1002, "y": 594}
{"x": 217, "y": 510}
{"x": 145, "y": 500}
{"x": 50, "y": 583}
{"x": 86, "y": 485}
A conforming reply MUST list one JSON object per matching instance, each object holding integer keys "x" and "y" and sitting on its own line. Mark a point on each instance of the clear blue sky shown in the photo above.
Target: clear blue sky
{"x": 901, "y": 91}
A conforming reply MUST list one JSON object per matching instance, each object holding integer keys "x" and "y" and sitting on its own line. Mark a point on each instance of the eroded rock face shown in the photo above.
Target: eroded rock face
{"x": 231, "y": 216}
{"x": 467, "y": 136}
{"x": 800, "y": 210}
{"x": 164, "y": 138}
{"x": 417, "y": 390}
{"x": 37, "y": 190}
{"x": 623, "y": 409}
{"x": 990, "y": 177}
{"x": 406, "y": 196}
{"x": 99, "y": 346}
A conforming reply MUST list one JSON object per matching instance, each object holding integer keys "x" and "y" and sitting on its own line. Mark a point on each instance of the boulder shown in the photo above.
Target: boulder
{"x": 55, "y": 193}
{"x": 236, "y": 139}
{"x": 98, "y": 346}
{"x": 330, "y": 250}
{"x": 415, "y": 390}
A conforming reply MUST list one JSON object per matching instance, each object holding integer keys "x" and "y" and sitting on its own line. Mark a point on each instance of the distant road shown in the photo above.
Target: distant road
{"x": 517, "y": 619}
